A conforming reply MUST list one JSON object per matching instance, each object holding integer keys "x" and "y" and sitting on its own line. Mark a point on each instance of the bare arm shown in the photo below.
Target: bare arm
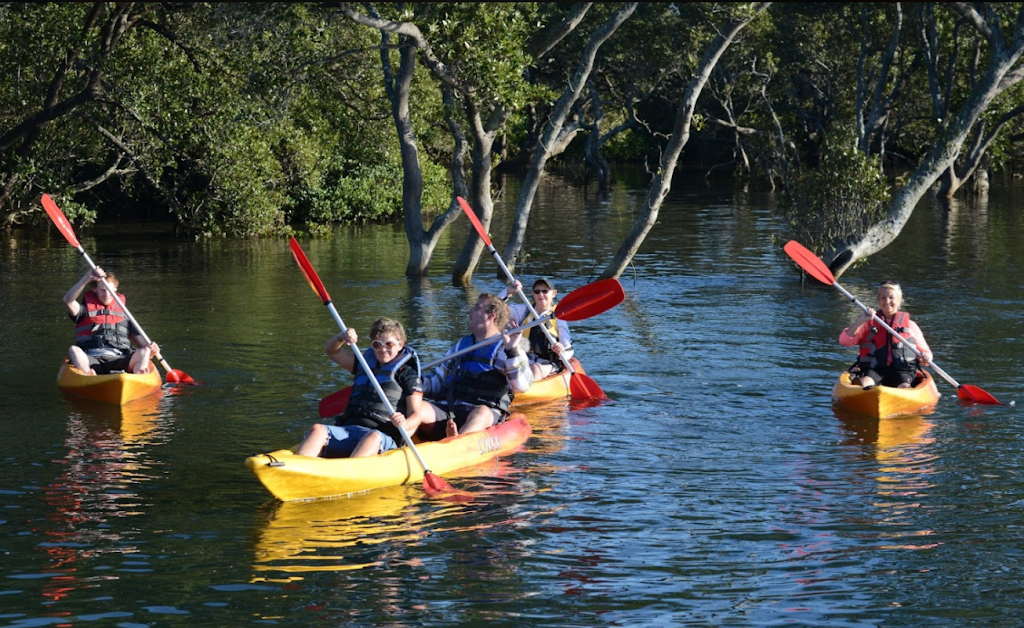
{"x": 71, "y": 296}
{"x": 339, "y": 348}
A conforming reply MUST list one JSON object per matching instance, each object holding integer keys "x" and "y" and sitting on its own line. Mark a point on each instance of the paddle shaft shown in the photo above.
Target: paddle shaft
{"x": 895, "y": 335}
{"x": 113, "y": 292}
{"x": 376, "y": 386}
{"x": 501, "y": 264}
{"x": 487, "y": 341}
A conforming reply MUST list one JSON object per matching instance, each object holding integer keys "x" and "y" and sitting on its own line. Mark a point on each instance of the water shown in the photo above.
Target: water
{"x": 718, "y": 486}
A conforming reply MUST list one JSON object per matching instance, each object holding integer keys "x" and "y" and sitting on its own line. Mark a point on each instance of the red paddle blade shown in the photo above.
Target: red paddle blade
{"x": 179, "y": 377}
{"x": 473, "y": 219}
{"x": 581, "y": 386}
{"x": 335, "y": 403}
{"x": 973, "y": 394}
{"x": 590, "y": 300}
{"x": 58, "y": 218}
{"x": 435, "y": 486}
{"x": 809, "y": 262}
{"x": 307, "y": 270}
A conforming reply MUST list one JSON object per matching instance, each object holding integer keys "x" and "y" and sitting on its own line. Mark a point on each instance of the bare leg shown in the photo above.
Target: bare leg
{"x": 481, "y": 418}
{"x": 368, "y": 446}
{"x": 80, "y": 361}
{"x": 314, "y": 441}
{"x": 140, "y": 362}
{"x": 867, "y": 382}
{"x": 450, "y": 429}
{"x": 540, "y": 371}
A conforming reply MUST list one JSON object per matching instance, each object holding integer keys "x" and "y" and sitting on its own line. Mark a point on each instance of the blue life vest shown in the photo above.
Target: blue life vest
{"x": 475, "y": 380}
{"x": 365, "y": 406}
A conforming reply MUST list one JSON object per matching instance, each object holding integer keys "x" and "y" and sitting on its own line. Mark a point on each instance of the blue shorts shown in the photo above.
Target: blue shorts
{"x": 342, "y": 440}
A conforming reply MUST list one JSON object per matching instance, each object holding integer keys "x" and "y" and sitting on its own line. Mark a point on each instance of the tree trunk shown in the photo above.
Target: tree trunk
{"x": 662, "y": 180}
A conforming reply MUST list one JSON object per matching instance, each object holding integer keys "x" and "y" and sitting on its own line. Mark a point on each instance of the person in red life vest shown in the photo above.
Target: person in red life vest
{"x": 884, "y": 360}
{"x": 366, "y": 428}
{"x": 105, "y": 340}
{"x": 545, "y": 358}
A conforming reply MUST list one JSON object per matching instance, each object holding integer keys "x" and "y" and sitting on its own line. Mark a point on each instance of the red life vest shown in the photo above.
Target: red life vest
{"x": 103, "y": 326}
{"x": 880, "y": 349}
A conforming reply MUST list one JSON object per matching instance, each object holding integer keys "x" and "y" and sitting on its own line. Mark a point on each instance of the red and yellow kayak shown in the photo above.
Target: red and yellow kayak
{"x": 291, "y": 477}
{"x": 550, "y": 388}
{"x": 119, "y": 388}
{"x": 884, "y": 401}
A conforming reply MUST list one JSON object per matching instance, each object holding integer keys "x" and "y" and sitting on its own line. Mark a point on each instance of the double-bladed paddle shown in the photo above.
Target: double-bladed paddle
{"x": 817, "y": 269}
{"x": 580, "y": 385}
{"x": 58, "y": 218}
{"x": 433, "y": 484}
{"x": 583, "y": 302}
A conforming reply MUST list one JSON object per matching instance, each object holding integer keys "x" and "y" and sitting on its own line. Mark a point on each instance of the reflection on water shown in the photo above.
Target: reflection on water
{"x": 903, "y": 449}
{"x": 358, "y": 531}
{"x": 104, "y": 464}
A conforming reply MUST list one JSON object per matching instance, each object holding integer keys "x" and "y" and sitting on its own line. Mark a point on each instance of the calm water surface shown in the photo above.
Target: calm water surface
{"x": 718, "y": 486}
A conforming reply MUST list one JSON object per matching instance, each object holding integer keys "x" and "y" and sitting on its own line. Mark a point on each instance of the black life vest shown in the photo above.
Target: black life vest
{"x": 365, "y": 407}
{"x": 103, "y": 326}
{"x": 475, "y": 380}
{"x": 880, "y": 349}
{"x": 539, "y": 345}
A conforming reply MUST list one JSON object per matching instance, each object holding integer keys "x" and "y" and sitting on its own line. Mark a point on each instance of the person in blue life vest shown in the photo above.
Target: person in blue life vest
{"x": 365, "y": 428}
{"x": 106, "y": 341}
{"x": 545, "y": 358}
{"x": 473, "y": 391}
{"x": 882, "y": 359}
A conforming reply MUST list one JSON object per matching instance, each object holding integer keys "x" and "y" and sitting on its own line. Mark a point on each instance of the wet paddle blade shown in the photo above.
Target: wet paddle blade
{"x": 973, "y": 394}
{"x": 334, "y": 403}
{"x": 581, "y": 386}
{"x": 435, "y": 486}
{"x": 809, "y": 262}
{"x": 590, "y": 300}
{"x": 179, "y": 377}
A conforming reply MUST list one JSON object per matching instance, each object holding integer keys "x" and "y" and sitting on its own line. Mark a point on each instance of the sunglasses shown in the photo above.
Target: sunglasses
{"x": 889, "y": 282}
{"x": 540, "y": 291}
{"x": 390, "y": 344}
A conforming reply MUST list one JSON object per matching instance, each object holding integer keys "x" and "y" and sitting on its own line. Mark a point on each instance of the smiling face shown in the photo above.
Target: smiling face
{"x": 386, "y": 346}
{"x": 543, "y": 297}
{"x": 889, "y": 300}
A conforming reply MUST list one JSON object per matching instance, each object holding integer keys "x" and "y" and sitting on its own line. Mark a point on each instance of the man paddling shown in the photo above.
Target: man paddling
{"x": 472, "y": 392}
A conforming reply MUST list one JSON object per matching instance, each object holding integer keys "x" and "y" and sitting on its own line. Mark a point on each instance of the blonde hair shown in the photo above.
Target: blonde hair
{"x": 894, "y": 286}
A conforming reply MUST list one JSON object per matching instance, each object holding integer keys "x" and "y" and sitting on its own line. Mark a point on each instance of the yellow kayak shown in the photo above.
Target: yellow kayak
{"x": 119, "y": 388}
{"x": 884, "y": 401}
{"x": 550, "y": 388}
{"x": 292, "y": 477}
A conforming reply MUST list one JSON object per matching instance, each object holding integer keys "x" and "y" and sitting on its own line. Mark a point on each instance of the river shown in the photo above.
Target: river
{"x": 717, "y": 486}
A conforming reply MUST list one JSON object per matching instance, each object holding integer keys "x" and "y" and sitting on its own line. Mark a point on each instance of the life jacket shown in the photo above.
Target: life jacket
{"x": 880, "y": 349}
{"x": 474, "y": 379}
{"x": 365, "y": 407}
{"x": 103, "y": 326}
{"x": 539, "y": 345}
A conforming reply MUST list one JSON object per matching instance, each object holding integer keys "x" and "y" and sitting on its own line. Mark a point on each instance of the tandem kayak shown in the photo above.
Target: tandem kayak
{"x": 119, "y": 388}
{"x": 550, "y": 388}
{"x": 291, "y": 477}
{"x": 884, "y": 401}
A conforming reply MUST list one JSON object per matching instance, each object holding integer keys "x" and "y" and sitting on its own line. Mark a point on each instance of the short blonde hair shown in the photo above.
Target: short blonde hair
{"x": 894, "y": 286}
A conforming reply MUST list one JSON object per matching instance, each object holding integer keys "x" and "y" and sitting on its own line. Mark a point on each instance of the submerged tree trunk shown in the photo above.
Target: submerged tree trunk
{"x": 662, "y": 180}
{"x": 1001, "y": 74}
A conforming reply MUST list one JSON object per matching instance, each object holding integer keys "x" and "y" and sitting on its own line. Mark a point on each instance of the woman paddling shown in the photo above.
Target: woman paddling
{"x": 883, "y": 360}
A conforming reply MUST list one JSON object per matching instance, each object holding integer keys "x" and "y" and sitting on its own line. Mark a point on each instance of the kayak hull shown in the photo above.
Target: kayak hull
{"x": 290, "y": 477}
{"x": 117, "y": 388}
{"x": 550, "y": 388}
{"x": 884, "y": 401}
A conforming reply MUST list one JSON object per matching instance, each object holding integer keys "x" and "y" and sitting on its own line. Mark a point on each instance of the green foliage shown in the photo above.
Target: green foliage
{"x": 838, "y": 200}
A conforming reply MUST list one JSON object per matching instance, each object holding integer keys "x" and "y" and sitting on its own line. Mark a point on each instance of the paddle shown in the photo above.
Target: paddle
{"x": 581, "y": 386}
{"x": 817, "y": 269}
{"x": 432, "y": 484}
{"x": 583, "y": 302}
{"x": 64, "y": 227}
